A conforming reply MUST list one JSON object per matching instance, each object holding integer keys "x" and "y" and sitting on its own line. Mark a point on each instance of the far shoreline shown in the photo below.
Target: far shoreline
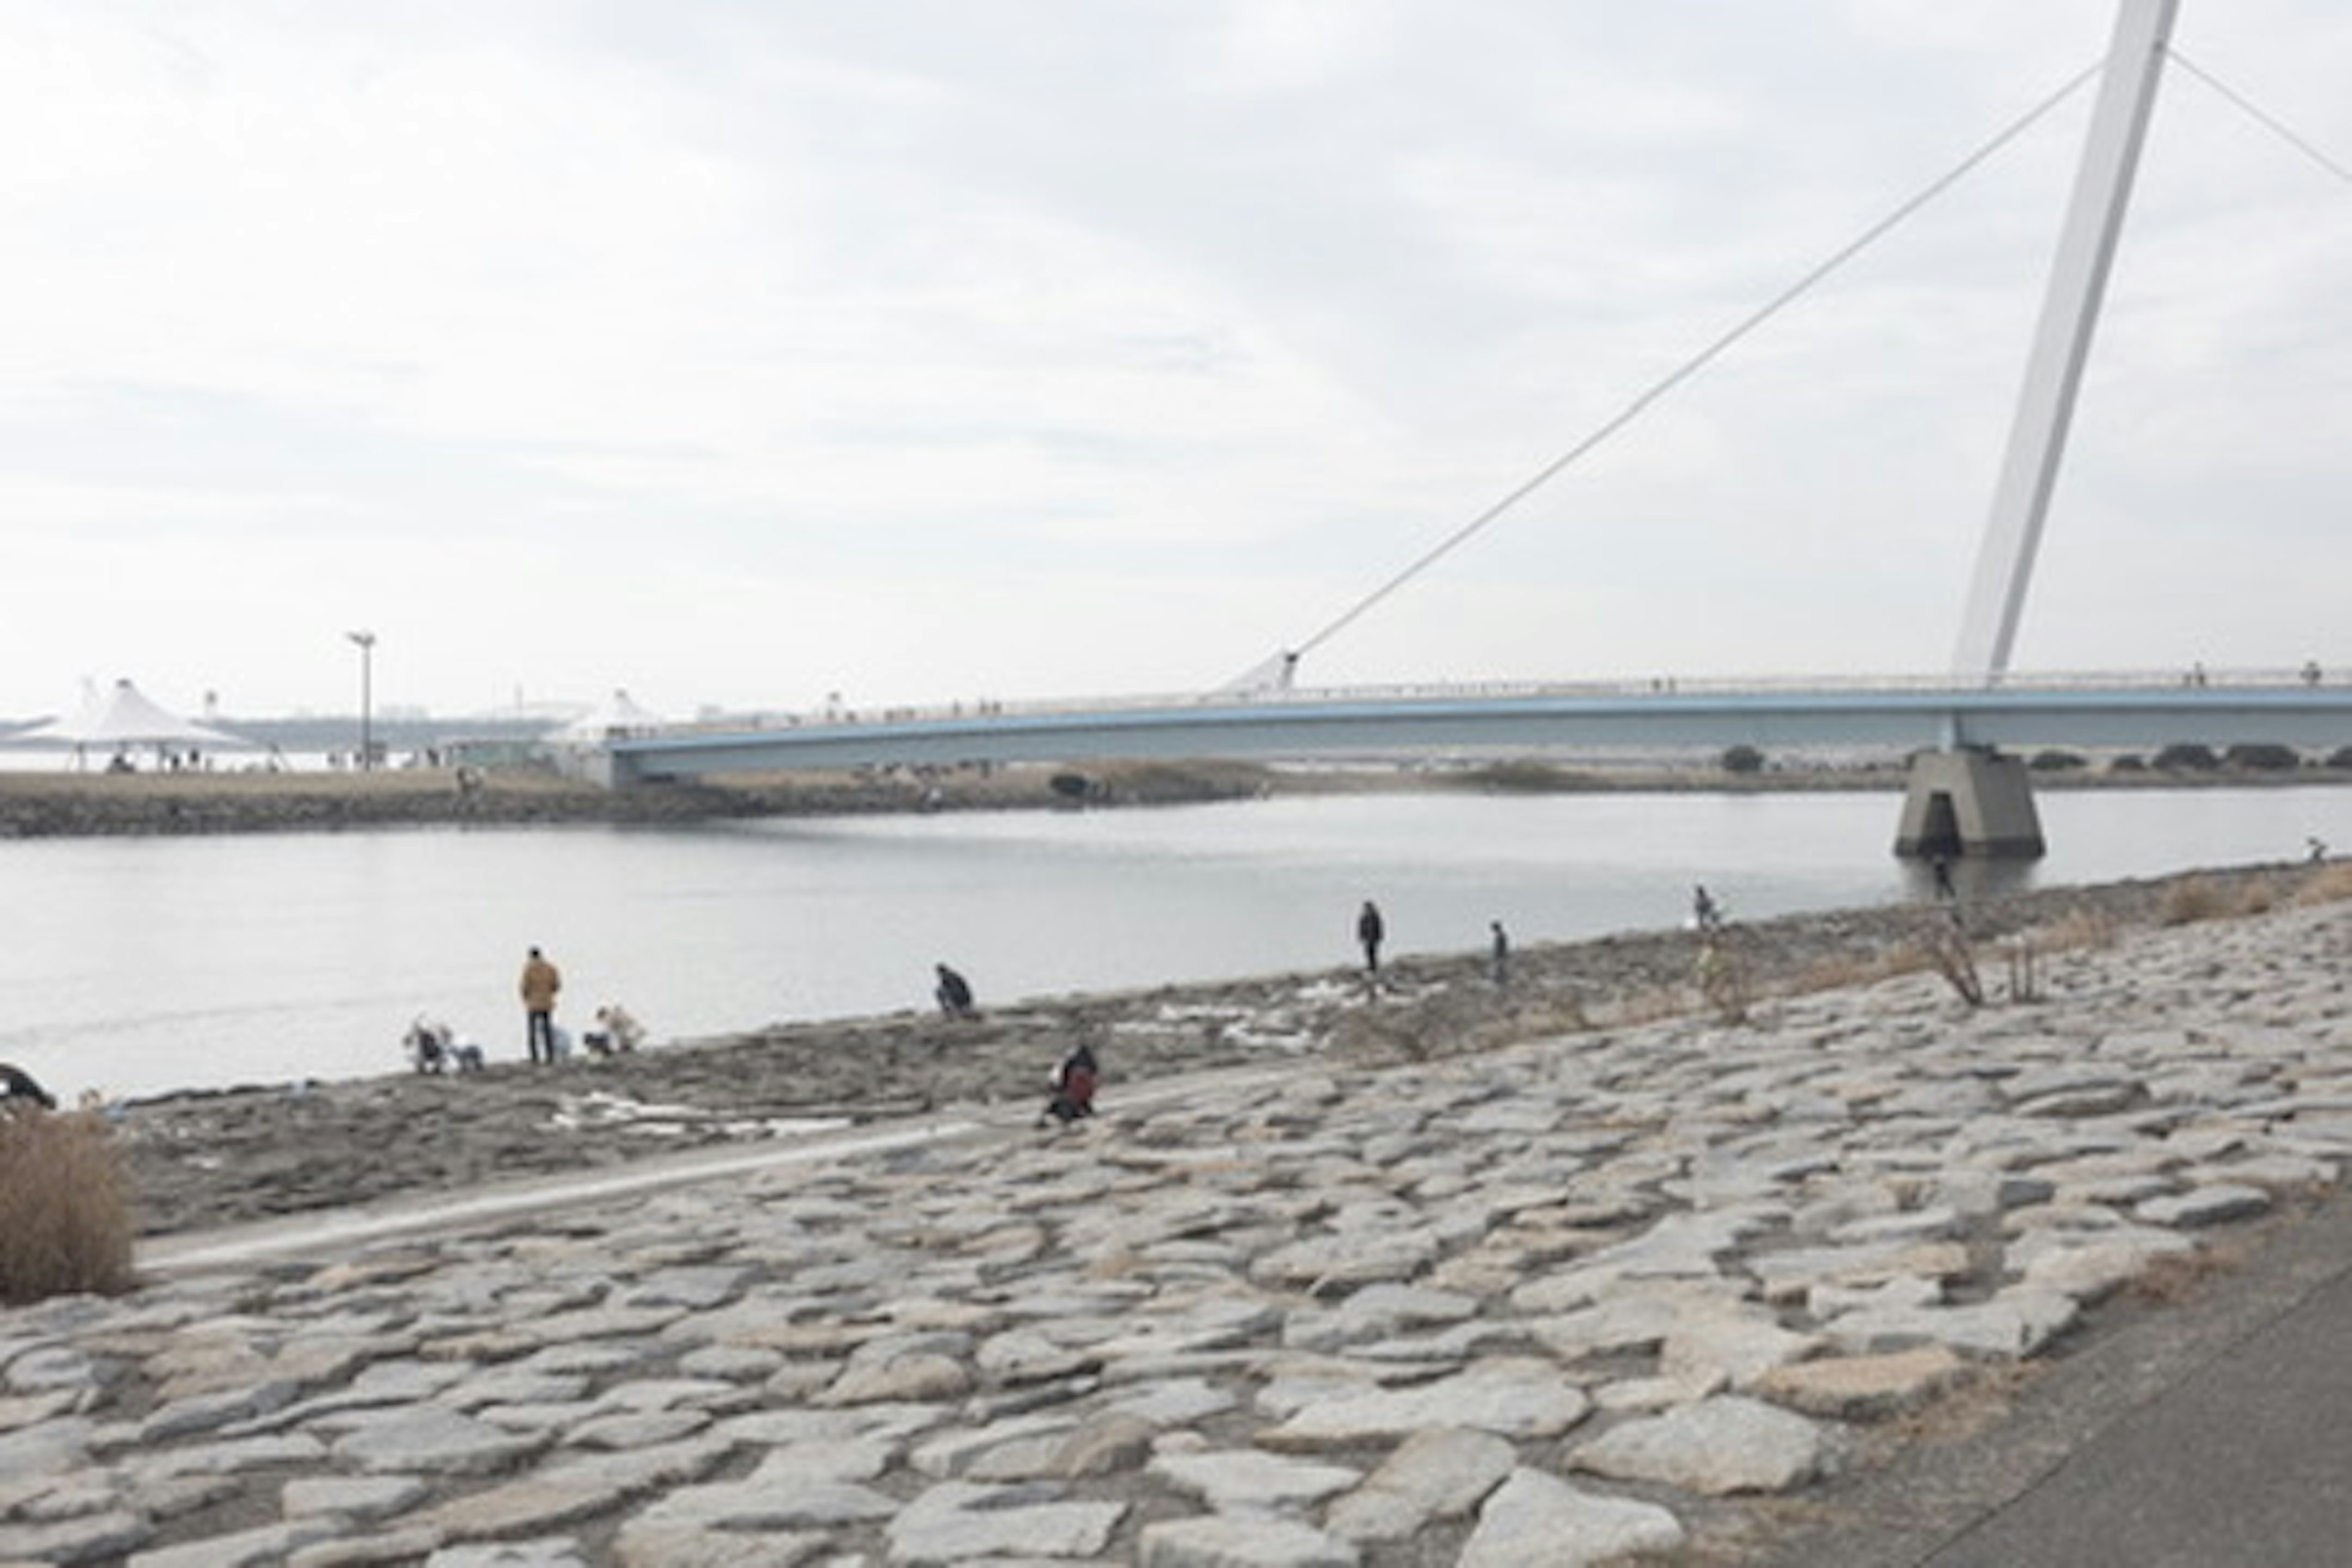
{"x": 62, "y": 804}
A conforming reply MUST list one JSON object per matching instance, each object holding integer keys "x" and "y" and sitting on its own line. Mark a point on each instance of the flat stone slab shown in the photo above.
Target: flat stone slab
{"x": 957, "y": 1522}
{"x": 1865, "y": 1388}
{"x": 428, "y": 1440}
{"x": 1514, "y": 1398}
{"x": 1218, "y": 1541}
{"x": 1538, "y": 1521}
{"x": 1439, "y": 1474}
{"x": 2218, "y": 1204}
{"x": 1727, "y": 1444}
{"x": 1240, "y": 1483}
{"x": 2011, "y": 1325}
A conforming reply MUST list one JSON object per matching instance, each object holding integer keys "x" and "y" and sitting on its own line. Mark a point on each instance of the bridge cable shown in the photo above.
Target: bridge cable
{"x": 2267, "y": 120}
{"x": 1692, "y": 366}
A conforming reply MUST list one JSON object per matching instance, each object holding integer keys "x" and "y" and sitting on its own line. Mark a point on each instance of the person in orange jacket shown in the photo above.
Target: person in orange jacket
{"x": 541, "y": 982}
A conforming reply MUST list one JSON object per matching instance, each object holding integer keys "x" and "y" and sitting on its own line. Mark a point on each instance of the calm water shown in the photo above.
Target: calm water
{"x": 138, "y": 965}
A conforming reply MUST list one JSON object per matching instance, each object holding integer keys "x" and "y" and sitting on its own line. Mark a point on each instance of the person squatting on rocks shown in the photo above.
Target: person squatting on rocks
{"x": 427, "y": 1044}
{"x": 1073, "y": 1087}
{"x": 541, "y": 982}
{"x": 434, "y": 1047}
{"x": 1370, "y": 931}
{"x": 616, "y": 1031}
{"x": 953, "y": 993}
{"x": 18, "y": 1091}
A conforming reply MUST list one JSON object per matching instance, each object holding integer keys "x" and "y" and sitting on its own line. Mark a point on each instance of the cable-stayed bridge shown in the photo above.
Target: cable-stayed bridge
{"x": 2302, "y": 708}
{"x": 1965, "y": 796}
{"x": 2294, "y": 708}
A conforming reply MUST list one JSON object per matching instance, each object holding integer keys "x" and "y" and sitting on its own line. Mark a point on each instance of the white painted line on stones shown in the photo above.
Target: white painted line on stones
{"x": 331, "y": 1229}
{"x": 339, "y": 1228}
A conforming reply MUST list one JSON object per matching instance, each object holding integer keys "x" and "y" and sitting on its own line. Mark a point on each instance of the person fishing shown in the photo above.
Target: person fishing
{"x": 19, "y": 1092}
{"x": 953, "y": 993}
{"x": 1073, "y": 1087}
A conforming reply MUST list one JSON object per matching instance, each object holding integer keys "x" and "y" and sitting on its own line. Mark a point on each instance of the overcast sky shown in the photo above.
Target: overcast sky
{"x": 740, "y": 352}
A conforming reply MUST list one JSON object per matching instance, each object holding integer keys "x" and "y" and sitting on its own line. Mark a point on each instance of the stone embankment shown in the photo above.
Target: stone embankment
{"x": 1610, "y": 1292}
{"x": 212, "y": 1158}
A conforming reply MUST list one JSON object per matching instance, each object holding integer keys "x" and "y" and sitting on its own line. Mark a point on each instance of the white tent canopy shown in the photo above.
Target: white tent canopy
{"x": 619, "y": 715}
{"x": 120, "y": 719}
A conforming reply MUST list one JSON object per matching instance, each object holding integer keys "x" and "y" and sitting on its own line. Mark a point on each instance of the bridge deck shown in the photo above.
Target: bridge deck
{"x": 2296, "y": 709}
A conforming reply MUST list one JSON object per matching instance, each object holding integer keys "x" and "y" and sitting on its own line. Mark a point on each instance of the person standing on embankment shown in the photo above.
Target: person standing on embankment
{"x": 541, "y": 982}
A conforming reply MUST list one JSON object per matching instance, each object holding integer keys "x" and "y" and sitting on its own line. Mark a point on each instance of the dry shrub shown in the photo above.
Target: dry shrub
{"x": 2193, "y": 898}
{"x": 2023, "y": 961}
{"x": 2259, "y": 896}
{"x": 1945, "y": 947}
{"x": 65, "y": 1207}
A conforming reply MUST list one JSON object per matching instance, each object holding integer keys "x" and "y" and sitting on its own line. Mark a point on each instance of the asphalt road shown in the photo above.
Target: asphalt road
{"x": 2214, "y": 1432}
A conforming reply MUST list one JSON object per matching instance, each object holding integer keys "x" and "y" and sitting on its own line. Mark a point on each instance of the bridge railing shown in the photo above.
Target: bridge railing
{"x": 1651, "y": 688}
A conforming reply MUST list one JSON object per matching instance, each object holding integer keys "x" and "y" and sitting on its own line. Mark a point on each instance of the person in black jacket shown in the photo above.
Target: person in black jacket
{"x": 1073, "y": 1087}
{"x": 17, "y": 1091}
{"x": 1370, "y": 930}
{"x": 953, "y": 993}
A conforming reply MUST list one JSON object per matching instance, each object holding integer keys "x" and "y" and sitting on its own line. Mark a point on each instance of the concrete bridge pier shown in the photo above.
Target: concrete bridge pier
{"x": 1969, "y": 801}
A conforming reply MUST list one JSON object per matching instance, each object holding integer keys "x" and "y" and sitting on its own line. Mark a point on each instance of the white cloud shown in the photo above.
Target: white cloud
{"x": 738, "y": 353}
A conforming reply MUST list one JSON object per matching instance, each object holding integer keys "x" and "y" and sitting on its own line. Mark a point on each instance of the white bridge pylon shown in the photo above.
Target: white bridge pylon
{"x": 2070, "y": 312}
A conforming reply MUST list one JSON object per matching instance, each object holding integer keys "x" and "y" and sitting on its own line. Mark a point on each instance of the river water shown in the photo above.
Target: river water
{"x": 139, "y": 965}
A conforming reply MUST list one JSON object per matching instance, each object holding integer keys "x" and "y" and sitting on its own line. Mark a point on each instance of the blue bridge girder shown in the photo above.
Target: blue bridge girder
{"x": 2012, "y": 712}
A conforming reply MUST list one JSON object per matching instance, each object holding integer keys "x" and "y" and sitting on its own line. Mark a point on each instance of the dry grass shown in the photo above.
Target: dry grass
{"x": 1973, "y": 1405}
{"x": 2082, "y": 930}
{"x": 2325, "y": 884}
{"x": 1457, "y": 1020}
{"x": 2194, "y": 899}
{"x": 2259, "y": 896}
{"x": 1635, "y": 1008}
{"x": 1743, "y": 1534}
{"x": 1852, "y": 971}
{"x": 2175, "y": 1277}
{"x": 1725, "y": 982}
{"x": 65, "y": 1223}
{"x": 1541, "y": 1020}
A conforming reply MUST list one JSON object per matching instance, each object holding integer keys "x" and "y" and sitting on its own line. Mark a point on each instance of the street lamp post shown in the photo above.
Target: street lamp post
{"x": 366, "y": 644}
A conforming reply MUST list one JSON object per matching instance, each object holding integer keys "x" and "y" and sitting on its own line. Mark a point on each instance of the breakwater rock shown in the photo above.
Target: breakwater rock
{"x": 1562, "y": 1301}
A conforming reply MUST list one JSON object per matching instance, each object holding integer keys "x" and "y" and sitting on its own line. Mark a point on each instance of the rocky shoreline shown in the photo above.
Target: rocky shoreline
{"x": 1440, "y": 1282}
{"x": 211, "y": 1158}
